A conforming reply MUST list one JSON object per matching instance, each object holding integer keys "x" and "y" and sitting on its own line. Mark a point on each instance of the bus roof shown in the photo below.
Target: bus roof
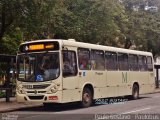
{"x": 73, "y": 43}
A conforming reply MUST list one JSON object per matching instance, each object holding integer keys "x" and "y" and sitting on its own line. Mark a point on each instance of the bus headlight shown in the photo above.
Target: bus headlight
{"x": 53, "y": 89}
{"x": 20, "y": 90}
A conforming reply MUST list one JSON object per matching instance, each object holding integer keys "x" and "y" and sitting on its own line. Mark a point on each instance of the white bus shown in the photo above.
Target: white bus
{"x": 62, "y": 71}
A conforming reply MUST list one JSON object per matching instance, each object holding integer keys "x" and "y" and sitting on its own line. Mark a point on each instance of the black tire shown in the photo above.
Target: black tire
{"x": 135, "y": 92}
{"x": 87, "y": 98}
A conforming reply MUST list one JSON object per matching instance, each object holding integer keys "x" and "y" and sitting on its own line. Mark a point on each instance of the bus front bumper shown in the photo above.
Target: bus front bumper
{"x": 48, "y": 98}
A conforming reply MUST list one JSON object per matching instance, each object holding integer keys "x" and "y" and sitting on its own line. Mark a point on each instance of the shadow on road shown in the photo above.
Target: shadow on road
{"x": 53, "y": 107}
{"x": 76, "y": 105}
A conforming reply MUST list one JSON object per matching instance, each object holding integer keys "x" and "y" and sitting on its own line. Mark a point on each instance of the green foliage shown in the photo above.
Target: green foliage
{"x": 2, "y": 94}
{"x": 106, "y": 22}
{"x": 144, "y": 26}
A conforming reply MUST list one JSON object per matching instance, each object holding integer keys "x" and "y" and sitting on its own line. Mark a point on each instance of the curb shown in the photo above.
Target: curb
{"x": 157, "y": 90}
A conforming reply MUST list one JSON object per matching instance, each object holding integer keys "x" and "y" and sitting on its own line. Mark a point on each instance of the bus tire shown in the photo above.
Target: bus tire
{"x": 135, "y": 92}
{"x": 87, "y": 98}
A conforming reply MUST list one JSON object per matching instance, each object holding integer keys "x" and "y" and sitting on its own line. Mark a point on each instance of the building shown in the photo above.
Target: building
{"x": 151, "y": 8}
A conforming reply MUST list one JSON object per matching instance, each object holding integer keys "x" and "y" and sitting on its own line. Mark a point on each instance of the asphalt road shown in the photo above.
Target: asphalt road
{"x": 147, "y": 104}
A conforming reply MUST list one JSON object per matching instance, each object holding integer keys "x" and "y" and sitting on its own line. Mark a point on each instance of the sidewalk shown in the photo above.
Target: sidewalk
{"x": 157, "y": 90}
{"x": 13, "y": 105}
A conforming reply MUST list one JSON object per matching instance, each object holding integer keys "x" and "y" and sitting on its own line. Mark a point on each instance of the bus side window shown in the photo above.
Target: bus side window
{"x": 69, "y": 63}
{"x": 84, "y": 59}
{"x": 111, "y": 60}
{"x": 123, "y": 61}
{"x": 149, "y": 63}
{"x": 97, "y": 60}
{"x": 142, "y": 63}
{"x": 133, "y": 62}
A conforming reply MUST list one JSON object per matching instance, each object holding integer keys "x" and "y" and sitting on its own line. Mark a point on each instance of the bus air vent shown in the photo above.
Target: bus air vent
{"x": 36, "y": 97}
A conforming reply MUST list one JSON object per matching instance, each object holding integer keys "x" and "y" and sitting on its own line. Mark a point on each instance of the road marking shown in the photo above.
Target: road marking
{"x": 136, "y": 111}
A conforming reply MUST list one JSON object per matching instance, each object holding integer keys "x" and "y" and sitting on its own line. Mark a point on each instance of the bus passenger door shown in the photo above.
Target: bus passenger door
{"x": 70, "y": 81}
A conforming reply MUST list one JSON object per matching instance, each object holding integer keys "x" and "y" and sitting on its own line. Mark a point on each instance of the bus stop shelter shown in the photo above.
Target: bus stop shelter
{"x": 9, "y": 61}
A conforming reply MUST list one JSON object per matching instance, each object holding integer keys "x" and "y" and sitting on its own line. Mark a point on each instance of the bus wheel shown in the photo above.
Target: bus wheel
{"x": 135, "y": 92}
{"x": 87, "y": 98}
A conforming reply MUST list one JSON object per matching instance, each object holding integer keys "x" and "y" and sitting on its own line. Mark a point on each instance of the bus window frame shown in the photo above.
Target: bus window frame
{"x": 79, "y": 61}
{"x": 76, "y": 73}
{"x": 115, "y": 62}
{"x": 149, "y": 64}
{"x": 136, "y": 66}
{"x": 122, "y": 62}
{"x": 144, "y": 67}
{"x": 94, "y": 50}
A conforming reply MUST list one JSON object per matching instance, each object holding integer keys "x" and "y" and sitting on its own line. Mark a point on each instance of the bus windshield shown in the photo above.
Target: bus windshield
{"x": 38, "y": 67}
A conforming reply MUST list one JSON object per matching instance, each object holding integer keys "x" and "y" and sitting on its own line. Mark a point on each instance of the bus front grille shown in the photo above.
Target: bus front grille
{"x": 33, "y": 92}
{"x": 40, "y": 86}
{"x": 36, "y": 97}
{"x": 36, "y": 86}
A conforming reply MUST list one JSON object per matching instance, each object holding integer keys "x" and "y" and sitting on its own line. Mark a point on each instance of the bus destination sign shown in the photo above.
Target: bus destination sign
{"x": 39, "y": 46}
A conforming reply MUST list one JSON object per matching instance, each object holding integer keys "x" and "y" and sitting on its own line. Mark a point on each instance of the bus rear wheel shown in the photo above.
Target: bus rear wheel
{"x": 87, "y": 98}
{"x": 135, "y": 92}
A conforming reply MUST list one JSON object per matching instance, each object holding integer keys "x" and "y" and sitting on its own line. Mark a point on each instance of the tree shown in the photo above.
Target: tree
{"x": 143, "y": 25}
{"x": 107, "y": 22}
{"x": 10, "y": 10}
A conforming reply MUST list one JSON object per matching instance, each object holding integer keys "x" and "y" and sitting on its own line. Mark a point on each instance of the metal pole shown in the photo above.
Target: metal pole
{"x": 157, "y": 78}
{"x": 8, "y": 82}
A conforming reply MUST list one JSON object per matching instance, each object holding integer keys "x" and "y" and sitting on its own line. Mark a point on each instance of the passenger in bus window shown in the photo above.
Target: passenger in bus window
{"x": 88, "y": 65}
{"x": 41, "y": 68}
{"x": 93, "y": 64}
{"x": 45, "y": 66}
{"x": 83, "y": 64}
{"x": 49, "y": 67}
{"x": 67, "y": 69}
